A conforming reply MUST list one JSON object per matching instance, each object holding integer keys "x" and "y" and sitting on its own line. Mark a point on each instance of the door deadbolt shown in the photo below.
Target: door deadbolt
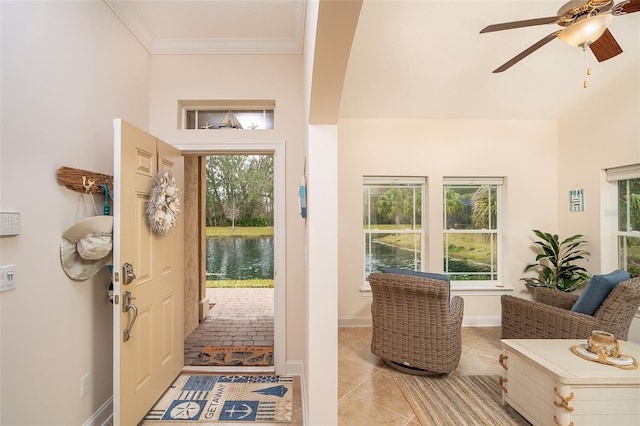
{"x": 127, "y": 273}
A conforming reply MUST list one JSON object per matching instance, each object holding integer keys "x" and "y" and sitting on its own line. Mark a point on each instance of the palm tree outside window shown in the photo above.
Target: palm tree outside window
{"x": 393, "y": 234}
{"x": 472, "y": 232}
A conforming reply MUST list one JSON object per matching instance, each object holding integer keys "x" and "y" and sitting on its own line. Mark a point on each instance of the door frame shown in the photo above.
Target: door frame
{"x": 277, "y": 149}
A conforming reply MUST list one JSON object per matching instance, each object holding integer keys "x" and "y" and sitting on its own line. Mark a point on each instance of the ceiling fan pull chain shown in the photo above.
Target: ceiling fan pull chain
{"x": 585, "y": 83}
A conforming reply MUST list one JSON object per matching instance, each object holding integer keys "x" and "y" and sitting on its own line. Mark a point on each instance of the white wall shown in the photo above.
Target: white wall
{"x": 594, "y": 136}
{"x": 322, "y": 336}
{"x": 522, "y": 151}
{"x": 68, "y": 69}
{"x": 224, "y": 77}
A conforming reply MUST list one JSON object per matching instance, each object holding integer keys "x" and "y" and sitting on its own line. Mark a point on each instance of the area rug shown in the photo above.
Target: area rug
{"x": 226, "y": 399}
{"x": 458, "y": 400}
{"x": 235, "y": 356}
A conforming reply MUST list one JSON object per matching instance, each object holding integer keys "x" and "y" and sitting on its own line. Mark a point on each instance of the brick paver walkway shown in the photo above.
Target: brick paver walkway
{"x": 239, "y": 317}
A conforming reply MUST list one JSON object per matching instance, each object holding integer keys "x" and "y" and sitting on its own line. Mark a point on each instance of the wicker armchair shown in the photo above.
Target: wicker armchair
{"x": 415, "y": 329}
{"x": 550, "y": 317}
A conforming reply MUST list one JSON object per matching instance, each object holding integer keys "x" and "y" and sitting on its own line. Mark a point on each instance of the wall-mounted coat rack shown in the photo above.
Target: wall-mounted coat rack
{"x": 84, "y": 181}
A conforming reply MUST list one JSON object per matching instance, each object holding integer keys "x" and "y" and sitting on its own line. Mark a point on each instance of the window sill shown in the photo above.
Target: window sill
{"x": 460, "y": 289}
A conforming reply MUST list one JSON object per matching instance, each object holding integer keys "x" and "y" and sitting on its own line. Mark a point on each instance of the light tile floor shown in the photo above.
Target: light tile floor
{"x": 367, "y": 394}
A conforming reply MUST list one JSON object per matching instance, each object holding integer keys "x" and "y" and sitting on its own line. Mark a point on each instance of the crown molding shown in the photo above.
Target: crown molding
{"x": 211, "y": 46}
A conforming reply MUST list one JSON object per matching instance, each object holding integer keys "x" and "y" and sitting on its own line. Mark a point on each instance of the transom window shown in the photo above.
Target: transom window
{"x": 229, "y": 119}
{"x": 212, "y": 114}
{"x": 393, "y": 231}
{"x": 471, "y": 233}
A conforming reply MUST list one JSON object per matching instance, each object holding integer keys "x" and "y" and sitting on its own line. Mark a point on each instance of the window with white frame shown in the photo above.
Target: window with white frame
{"x": 393, "y": 231}
{"x": 212, "y": 114}
{"x": 627, "y": 231}
{"x": 212, "y": 119}
{"x": 472, "y": 231}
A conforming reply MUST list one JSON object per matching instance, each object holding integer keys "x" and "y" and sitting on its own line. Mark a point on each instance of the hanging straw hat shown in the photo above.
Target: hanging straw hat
{"x": 86, "y": 247}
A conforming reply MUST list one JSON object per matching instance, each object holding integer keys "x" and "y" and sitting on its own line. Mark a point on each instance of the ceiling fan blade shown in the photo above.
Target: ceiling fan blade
{"x": 605, "y": 47}
{"x": 520, "y": 24}
{"x": 526, "y": 52}
{"x": 631, "y": 6}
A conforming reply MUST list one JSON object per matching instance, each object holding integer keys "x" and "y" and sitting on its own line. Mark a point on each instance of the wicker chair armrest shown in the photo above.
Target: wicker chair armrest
{"x": 456, "y": 310}
{"x": 553, "y": 297}
{"x": 526, "y": 319}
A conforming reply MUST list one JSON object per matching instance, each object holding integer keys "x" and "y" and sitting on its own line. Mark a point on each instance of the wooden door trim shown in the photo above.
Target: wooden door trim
{"x": 196, "y": 304}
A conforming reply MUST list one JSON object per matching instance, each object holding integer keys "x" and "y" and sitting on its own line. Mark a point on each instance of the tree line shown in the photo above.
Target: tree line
{"x": 239, "y": 190}
{"x": 466, "y": 207}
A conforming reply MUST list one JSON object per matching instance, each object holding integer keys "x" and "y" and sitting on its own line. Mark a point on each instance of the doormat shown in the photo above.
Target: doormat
{"x": 220, "y": 399}
{"x": 235, "y": 356}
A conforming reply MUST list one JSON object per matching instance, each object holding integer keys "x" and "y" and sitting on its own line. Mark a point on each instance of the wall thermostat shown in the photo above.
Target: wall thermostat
{"x": 9, "y": 223}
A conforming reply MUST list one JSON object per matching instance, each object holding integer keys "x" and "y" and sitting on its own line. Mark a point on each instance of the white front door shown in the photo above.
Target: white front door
{"x": 148, "y": 352}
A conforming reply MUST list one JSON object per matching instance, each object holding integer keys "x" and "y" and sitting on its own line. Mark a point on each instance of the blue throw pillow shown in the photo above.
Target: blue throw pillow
{"x": 597, "y": 289}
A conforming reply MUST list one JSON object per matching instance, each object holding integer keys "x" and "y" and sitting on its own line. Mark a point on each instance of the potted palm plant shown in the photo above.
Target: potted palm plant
{"x": 555, "y": 265}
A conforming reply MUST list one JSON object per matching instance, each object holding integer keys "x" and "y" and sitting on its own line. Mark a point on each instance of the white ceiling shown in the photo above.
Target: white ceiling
{"x": 214, "y": 26}
{"x": 410, "y": 58}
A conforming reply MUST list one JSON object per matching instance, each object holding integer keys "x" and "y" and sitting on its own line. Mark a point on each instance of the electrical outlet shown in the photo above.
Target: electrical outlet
{"x": 7, "y": 277}
{"x": 84, "y": 384}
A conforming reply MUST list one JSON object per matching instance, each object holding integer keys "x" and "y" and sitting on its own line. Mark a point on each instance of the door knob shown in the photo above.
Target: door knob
{"x": 126, "y": 307}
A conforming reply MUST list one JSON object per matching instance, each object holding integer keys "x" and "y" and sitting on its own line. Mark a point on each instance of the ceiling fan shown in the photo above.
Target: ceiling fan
{"x": 585, "y": 25}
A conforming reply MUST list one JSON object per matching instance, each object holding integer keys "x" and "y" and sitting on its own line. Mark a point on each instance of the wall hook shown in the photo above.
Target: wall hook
{"x": 87, "y": 186}
{"x": 76, "y": 180}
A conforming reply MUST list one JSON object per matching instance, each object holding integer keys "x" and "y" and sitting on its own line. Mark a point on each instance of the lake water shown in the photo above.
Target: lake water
{"x": 239, "y": 258}
{"x": 385, "y": 255}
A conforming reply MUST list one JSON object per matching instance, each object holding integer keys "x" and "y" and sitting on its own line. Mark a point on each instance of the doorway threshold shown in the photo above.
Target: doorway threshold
{"x": 235, "y": 369}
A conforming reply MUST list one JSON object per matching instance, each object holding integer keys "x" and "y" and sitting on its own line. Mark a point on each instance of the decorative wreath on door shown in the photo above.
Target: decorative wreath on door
{"x": 164, "y": 204}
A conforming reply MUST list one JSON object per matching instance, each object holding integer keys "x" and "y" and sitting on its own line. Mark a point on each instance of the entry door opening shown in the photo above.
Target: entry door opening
{"x": 239, "y": 245}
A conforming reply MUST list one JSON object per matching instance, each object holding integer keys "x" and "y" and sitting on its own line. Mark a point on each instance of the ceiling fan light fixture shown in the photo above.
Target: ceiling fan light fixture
{"x": 585, "y": 31}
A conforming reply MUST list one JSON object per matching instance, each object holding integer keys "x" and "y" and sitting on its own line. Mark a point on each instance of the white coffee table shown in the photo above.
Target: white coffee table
{"x": 550, "y": 385}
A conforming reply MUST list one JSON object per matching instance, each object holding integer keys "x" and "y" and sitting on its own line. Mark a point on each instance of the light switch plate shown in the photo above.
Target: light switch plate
{"x": 7, "y": 277}
{"x": 9, "y": 223}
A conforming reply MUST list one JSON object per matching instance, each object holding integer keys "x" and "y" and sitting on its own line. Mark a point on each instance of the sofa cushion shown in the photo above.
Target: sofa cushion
{"x": 597, "y": 289}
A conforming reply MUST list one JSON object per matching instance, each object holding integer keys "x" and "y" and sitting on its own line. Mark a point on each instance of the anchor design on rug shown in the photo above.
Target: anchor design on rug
{"x": 242, "y": 413}
{"x": 239, "y": 410}
{"x": 278, "y": 391}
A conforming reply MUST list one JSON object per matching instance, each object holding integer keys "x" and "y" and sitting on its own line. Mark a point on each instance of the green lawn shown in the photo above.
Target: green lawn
{"x": 251, "y": 283}
{"x": 239, "y": 231}
{"x": 464, "y": 246}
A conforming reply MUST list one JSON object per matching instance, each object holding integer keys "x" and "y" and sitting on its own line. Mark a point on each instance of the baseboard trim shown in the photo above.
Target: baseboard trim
{"x": 203, "y": 308}
{"x": 467, "y": 321}
{"x": 481, "y": 321}
{"x": 104, "y": 415}
{"x": 354, "y": 322}
{"x": 296, "y": 368}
